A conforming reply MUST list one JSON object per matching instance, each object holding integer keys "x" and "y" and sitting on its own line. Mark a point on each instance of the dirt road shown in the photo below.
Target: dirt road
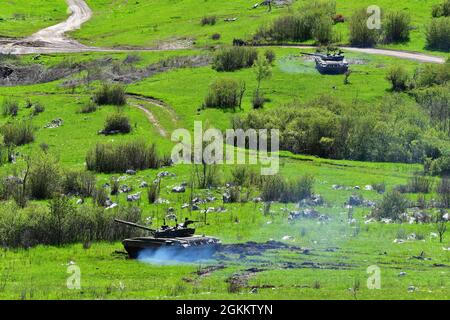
{"x": 53, "y": 40}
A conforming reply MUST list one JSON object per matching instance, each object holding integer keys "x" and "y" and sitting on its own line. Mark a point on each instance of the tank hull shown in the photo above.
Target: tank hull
{"x": 195, "y": 246}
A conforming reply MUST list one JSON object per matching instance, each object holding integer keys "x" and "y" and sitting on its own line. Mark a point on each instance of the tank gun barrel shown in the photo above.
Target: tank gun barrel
{"x": 135, "y": 225}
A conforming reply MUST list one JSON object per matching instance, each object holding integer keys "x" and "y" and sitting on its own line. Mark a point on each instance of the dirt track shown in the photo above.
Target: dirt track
{"x": 53, "y": 40}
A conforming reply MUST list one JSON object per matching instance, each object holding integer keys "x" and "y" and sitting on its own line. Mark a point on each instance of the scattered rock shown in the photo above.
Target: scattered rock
{"x": 163, "y": 174}
{"x": 285, "y": 238}
{"x": 130, "y": 172}
{"x": 412, "y": 289}
{"x": 368, "y": 187}
{"x": 134, "y": 197}
{"x": 112, "y": 206}
{"x": 56, "y": 123}
{"x": 401, "y": 274}
{"x": 178, "y": 189}
{"x": 143, "y": 184}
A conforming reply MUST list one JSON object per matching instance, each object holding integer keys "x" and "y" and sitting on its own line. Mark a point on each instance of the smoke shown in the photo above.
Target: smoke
{"x": 175, "y": 255}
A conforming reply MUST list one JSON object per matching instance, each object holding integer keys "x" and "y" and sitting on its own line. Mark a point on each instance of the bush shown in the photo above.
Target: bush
{"x": 360, "y": 34}
{"x": 88, "y": 107}
{"x": 270, "y": 55}
{"x": 243, "y": 176}
{"x": 61, "y": 223}
{"x": 100, "y": 196}
{"x": 109, "y": 157}
{"x": 117, "y": 123}
{"x": 81, "y": 183}
{"x": 431, "y": 74}
{"x": 234, "y": 58}
{"x": 17, "y": 133}
{"x": 396, "y": 26}
{"x": 438, "y": 34}
{"x": 110, "y": 95}
{"x": 44, "y": 177}
{"x": 393, "y": 205}
{"x": 322, "y": 31}
{"x": 215, "y": 36}
{"x": 419, "y": 184}
{"x": 399, "y": 78}
{"x": 443, "y": 190}
{"x": 275, "y": 188}
{"x": 439, "y": 166}
{"x": 208, "y": 20}
{"x": 258, "y": 100}
{"x": 441, "y": 10}
{"x": 10, "y": 108}
{"x": 38, "y": 108}
{"x": 225, "y": 93}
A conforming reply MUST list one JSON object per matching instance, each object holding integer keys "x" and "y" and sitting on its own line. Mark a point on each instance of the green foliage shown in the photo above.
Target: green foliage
{"x": 438, "y": 34}
{"x": 431, "y": 74}
{"x": 275, "y": 188}
{"x": 88, "y": 107}
{"x": 270, "y": 55}
{"x": 360, "y": 34}
{"x": 441, "y": 9}
{"x": 234, "y": 58}
{"x": 153, "y": 191}
{"x": 109, "y": 94}
{"x": 109, "y": 157}
{"x": 117, "y": 122}
{"x": 393, "y": 130}
{"x": 10, "y": 107}
{"x": 44, "y": 176}
{"x": 61, "y": 223}
{"x": 208, "y": 20}
{"x": 392, "y": 206}
{"x": 37, "y": 109}
{"x": 443, "y": 191}
{"x": 314, "y": 21}
{"x": 17, "y": 133}
{"x": 77, "y": 182}
{"x": 225, "y": 93}
{"x": 399, "y": 78}
{"x": 396, "y": 26}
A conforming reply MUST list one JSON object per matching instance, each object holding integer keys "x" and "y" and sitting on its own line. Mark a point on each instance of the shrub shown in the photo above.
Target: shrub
{"x": 439, "y": 166}
{"x": 88, "y": 107}
{"x": 234, "y": 58}
{"x": 275, "y": 188}
{"x": 153, "y": 192}
{"x": 80, "y": 183}
{"x": 243, "y": 176}
{"x": 258, "y": 100}
{"x": 298, "y": 189}
{"x": 396, "y": 26}
{"x": 100, "y": 196}
{"x": 270, "y": 55}
{"x": 225, "y": 93}
{"x": 10, "y": 107}
{"x": 430, "y": 74}
{"x": 443, "y": 190}
{"x": 392, "y": 206}
{"x": 38, "y": 108}
{"x": 399, "y": 78}
{"x": 117, "y": 122}
{"x": 420, "y": 184}
{"x": 109, "y": 157}
{"x": 322, "y": 31}
{"x": 215, "y": 36}
{"x": 438, "y": 34}
{"x": 360, "y": 34}
{"x": 61, "y": 223}
{"x": 44, "y": 177}
{"x": 441, "y": 10}
{"x": 110, "y": 95}
{"x": 17, "y": 133}
{"x": 208, "y": 20}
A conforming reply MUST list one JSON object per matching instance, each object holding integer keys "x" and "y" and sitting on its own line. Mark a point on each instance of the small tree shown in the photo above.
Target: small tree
{"x": 360, "y": 34}
{"x": 399, "y": 78}
{"x": 263, "y": 71}
{"x": 397, "y": 26}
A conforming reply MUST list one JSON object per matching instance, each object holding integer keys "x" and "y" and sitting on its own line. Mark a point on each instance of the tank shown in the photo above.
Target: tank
{"x": 180, "y": 238}
{"x": 330, "y": 63}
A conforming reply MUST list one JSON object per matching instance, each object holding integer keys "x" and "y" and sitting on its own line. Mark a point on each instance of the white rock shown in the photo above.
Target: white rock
{"x": 368, "y": 187}
{"x": 285, "y": 238}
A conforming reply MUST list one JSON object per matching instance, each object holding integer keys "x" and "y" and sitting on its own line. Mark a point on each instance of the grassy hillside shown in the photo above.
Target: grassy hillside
{"x": 20, "y": 18}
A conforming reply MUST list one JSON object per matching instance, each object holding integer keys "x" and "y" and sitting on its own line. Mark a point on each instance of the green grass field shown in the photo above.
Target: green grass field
{"x": 20, "y": 18}
{"x": 339, "y": 251}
